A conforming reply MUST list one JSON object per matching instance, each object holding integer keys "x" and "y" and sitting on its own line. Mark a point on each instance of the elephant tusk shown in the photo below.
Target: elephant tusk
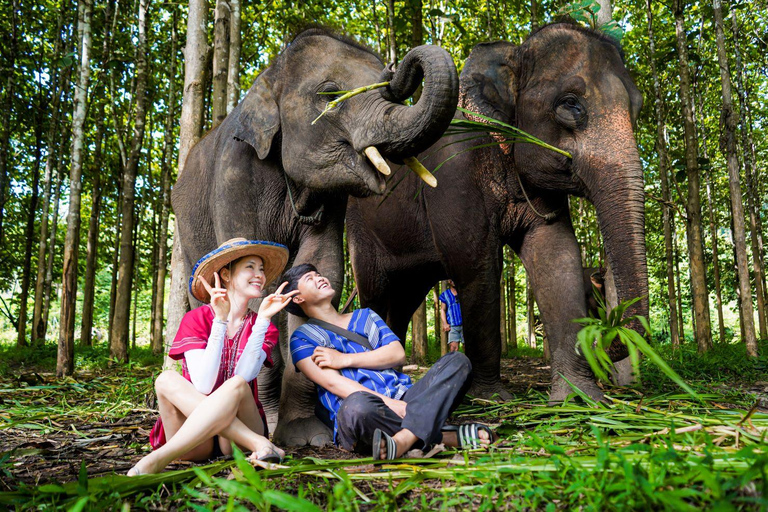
{"x": 377, "y": 160}
{"x": 421, "y": 171}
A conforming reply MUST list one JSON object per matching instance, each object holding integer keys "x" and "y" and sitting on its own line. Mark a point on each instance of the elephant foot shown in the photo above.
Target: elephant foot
{"x": 302, "y": 432}
{"x": 494, "y": 391}
{"x": 560, "y": 389}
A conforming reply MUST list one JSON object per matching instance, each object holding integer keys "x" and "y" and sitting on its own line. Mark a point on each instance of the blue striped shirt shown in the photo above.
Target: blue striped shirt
{"x": 453, "y": 311}
{"x": 367, "y": 323}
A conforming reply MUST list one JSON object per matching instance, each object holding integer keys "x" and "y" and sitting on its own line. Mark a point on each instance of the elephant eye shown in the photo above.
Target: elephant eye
{"x": 329, "y": 91}
{"x": 570, "y": 111}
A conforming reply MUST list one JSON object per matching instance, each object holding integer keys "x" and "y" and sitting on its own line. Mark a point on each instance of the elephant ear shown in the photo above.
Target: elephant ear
{"x": 489, "y": 82}
{"x": 257, "y": 118}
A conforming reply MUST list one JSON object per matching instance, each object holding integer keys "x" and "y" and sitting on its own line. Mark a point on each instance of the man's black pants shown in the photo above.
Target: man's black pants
{"x": 430, "y": 401}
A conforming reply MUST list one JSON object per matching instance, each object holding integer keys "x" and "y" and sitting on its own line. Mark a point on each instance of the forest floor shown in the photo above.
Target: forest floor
{"x": 67, "y": 442}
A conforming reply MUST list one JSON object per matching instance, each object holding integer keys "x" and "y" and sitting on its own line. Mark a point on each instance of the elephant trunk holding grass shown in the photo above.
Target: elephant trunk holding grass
{"x": 567, "y": 86}
{"x": 267, "y": 172}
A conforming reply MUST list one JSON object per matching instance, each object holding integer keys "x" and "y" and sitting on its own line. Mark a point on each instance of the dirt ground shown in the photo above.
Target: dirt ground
{"x": 34, "y": 456}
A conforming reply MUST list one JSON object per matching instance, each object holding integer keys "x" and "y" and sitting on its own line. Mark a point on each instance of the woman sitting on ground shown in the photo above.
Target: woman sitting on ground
{"x": 223, "y": 346}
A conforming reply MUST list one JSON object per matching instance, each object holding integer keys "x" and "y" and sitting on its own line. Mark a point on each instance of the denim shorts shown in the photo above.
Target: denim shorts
{"x": 456, "y": 334}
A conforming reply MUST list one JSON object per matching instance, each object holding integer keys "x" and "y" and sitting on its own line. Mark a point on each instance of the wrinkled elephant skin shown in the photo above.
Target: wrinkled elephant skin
{"x": 569, "y": 87}
{"x": 266, "y": 172}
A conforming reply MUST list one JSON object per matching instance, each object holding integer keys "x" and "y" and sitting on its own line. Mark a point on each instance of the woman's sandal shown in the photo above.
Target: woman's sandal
{"x": 468, "y": 435}
{"x": 391, "y": 453}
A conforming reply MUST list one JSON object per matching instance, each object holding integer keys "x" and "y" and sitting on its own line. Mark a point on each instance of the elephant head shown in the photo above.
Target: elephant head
{"x": 569, "y": 87}
{"x": 277, "y": 114}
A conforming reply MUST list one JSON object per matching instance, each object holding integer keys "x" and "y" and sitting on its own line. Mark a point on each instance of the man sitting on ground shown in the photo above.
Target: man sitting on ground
{"x": 351, "y": 357}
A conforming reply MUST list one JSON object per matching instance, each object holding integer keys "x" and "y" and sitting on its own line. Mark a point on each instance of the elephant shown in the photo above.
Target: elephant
{"x": 567, "y": 86}
{"x": 268, "y": 172}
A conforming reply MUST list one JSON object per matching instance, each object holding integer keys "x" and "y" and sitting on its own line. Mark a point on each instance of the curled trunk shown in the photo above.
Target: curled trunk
{"x": 403, "y": 130}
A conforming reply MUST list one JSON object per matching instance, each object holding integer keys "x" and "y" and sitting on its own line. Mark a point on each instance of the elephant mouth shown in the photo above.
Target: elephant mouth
{"x": 370, "y": 172}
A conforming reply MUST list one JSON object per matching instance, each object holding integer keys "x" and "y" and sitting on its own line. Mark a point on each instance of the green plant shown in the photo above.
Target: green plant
{"x": 598, "y": 334}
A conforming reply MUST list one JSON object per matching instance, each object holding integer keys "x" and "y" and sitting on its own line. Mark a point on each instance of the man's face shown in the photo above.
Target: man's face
{"x": 313, "y": 289}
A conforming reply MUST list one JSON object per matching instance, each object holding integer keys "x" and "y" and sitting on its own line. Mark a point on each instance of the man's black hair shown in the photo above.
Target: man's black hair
{"x": 293, "y": 275}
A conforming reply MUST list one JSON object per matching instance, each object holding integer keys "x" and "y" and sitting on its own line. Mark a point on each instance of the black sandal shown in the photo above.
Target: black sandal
{"x": 468, "y": 435}
{"x": 391, "y": 454}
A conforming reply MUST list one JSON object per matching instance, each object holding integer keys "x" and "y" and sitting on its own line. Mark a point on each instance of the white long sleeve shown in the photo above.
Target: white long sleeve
{"x": 253, "y": 357}
{"x": 203, "y": 363}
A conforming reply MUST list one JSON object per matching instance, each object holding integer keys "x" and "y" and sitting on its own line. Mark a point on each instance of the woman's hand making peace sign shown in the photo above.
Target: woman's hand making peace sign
{"x": 275, "y": 302}
{"x": 219, "y": 298}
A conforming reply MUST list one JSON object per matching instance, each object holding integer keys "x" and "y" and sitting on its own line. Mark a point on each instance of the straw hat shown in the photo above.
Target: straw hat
{"x": 274, "y": 255}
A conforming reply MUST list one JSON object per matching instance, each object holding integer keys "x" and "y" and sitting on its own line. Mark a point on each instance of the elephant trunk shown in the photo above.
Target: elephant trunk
{"x": 401, "y": 131}
{"x": 618, "y": 196}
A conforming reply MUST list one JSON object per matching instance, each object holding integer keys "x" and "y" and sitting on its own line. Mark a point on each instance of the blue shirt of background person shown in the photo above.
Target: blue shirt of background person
{"x": 366, "y": 323}
{"x": 453, "y": 310}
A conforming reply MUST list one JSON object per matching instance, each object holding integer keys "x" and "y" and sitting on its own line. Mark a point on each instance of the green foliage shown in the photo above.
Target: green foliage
{"x": 598, "y": 334}
{"x": 585, "y": 11}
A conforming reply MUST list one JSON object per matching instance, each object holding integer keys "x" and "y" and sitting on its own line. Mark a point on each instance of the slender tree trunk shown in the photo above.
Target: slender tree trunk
{"x": 419, "y": 334}
{"x": 60, "y": 84}
{"x": 436, "y": 311}
{"x": 729, "y": 123}
{"x": 189, "y": 133}
{"x": 235, "y": 45}
{"x": 51, "y": 256}
{"x": 667, "y": 213}
{"x": 165, "y": 185}
{"x": 503, "y": 316}
{"x": 118, "y": 339}
{"x": 605, "y": 14}
{"x": 65, "y": 362}
{"x": 511, "y": 294}
{"x": 136, "y": 288}
{"x": 529, "y": 310}
{"x": 391, "y": 40}
{"x": 534, "y": 15}
{"x": 93, "y": 237}
{"x": 749, "y": 166}
{"x": 7, "y": 109}
{"x": 714, "y": 229}
{"x": 693, "y": 206}
{"x": 115, "y": 252}
{"x": 220, "y": 62}
{"x": 21, "y": 339}
{"x": 681, "y": 321}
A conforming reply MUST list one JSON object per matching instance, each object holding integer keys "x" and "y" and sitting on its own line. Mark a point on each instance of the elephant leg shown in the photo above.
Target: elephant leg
{"x": 270, "y": 379}
{"x": 479, "y": 295}
{"x": 551, "y": 257}
{"x": 297, "y": 423}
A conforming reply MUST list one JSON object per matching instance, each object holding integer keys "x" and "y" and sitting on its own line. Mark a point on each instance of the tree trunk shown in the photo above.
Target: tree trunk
{"x": 605, "y": 14}
{"x": 512, "y": 299}
{"x": 667, "y": 212}
{"x": 749, "y": 166}
{"x": 419, "y": 334}
{"x": 51, "y": 256}
{"x": 714, "y": 229}
{"x": 118, "y": 339}
{"x": 534, "y": 15}
{"x": 93, "y": 237}
{"x": 391, "y": 40}
{"x": 115, "y": 252}
{"x": 189, "y": 133}
{"x": 165, "y": 185}
{"x": 7, "y": 109}
{"x": 693, "y": 207}
{"x": 681, "y": 321}
{"x": 220, "y": 62}
{"x": 529, "y": 310}
{"x": 728, "y": 124}
{"x": 29, "y": 234}
{"x": 503, "y": 314}
{"x": 235, "y": 45}
{"x": 65, "y": 361}
{"x": 436, "y": 311}
{"x": 60, "y": 84}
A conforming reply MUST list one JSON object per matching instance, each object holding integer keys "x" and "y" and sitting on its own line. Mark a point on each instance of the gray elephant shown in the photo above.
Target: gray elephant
{"x": 268, "y": 173}
{"x": 569, "y": 87}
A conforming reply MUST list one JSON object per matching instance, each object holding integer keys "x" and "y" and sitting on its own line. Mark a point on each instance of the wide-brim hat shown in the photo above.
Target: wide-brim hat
{"x": 274, "y": 256}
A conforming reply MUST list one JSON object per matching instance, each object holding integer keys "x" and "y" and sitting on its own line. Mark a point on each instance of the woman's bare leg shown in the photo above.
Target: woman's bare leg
{"x": 215, "y": 414}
